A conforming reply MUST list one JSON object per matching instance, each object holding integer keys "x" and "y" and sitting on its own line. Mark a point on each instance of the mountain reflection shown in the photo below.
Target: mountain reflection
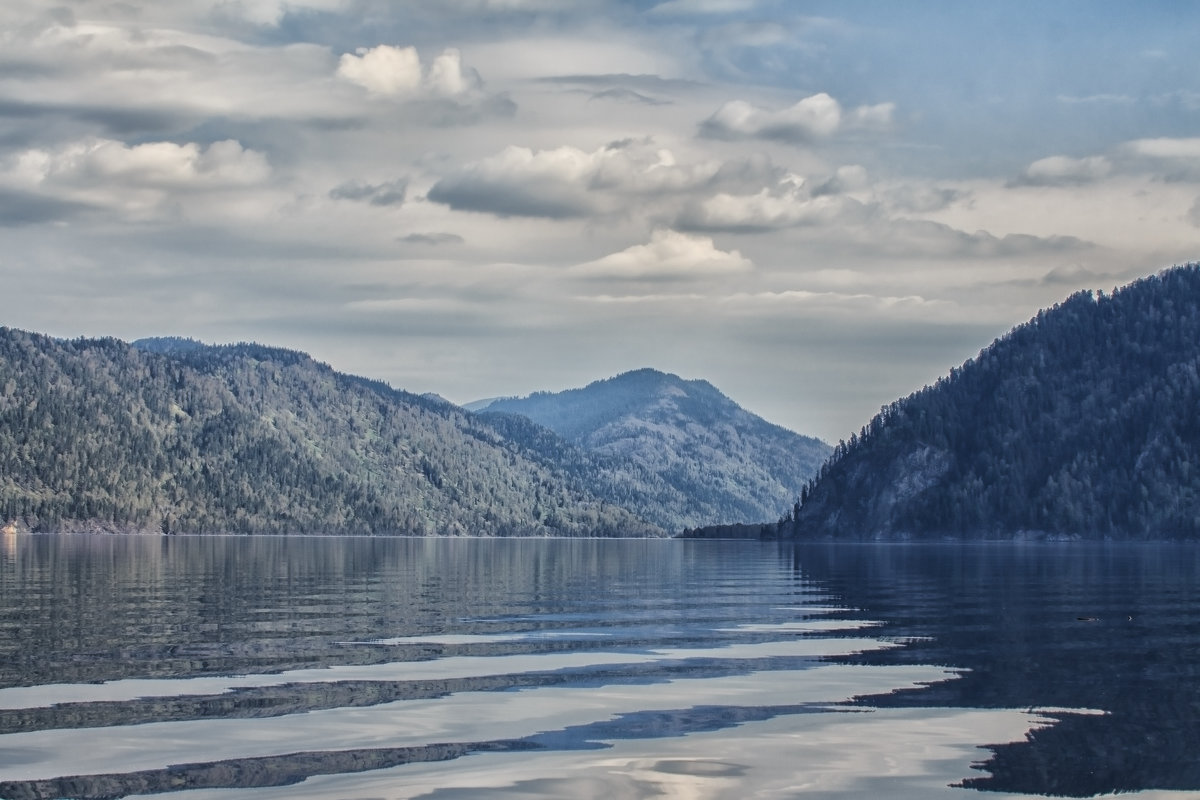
{"x": 1109, "y": 627}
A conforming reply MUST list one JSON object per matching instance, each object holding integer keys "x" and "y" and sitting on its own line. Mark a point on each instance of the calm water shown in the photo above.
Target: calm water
{"x": 402, "y": 668}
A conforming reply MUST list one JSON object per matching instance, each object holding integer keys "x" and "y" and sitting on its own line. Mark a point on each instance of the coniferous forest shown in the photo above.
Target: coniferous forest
{"x": 1084, "y": 422}
{"x": 173, "y": 436}
{"x": 674, "y": 451}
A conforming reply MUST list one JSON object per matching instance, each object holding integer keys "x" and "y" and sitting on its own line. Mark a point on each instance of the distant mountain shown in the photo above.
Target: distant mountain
{"x": 179, "y": 436}
{"x": 480, "y": 405}
{"x": 1084, "y": 422}
{"x": 676, "y": 452}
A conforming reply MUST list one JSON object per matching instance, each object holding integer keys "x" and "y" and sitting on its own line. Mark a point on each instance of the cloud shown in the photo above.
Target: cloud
{"x": 390, "y": 193}
{"x": 1064, "y": 171}
{"x": 106, "y": 65}
{"x": 921, "y": 198}
{"x": 567, "y": 182}
{"x": 1074, "y": 275}
{"x": 683, "y": 7}
{"x": 832, "y": 303}
{"x": 26, "y": 208}
{"x": 787, "y": 204}
{"x": 624, "y": 95}
{"x": 1165, "y": 148}
{"x": 383, "y": 70}
{"x": 146, "y": 78}
{"x": 269, "y": 13}
{"x": 521, "y": 182}
{"x": 812, "y": 119}
{"x": 815, "y": 117}
{"x": 135, "y": 181}
{"x": 668, "y": 255}
{"x": 849, "y": 178}
{"x": 1174, "y": 159}
{"x": 449, "y": 77}
{"x": 640, "y": 82}
{"x": 926, "y": 239}
{"x": 153, "y": 164}
{"x": 431, "y": 239}
{"x": 398, "y": 72}
{"x": 879, "y": 117}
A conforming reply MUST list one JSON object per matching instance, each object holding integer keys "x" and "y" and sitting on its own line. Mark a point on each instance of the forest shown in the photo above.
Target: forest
{"x": 1082, "y": 423}
{"x": 676, "y": 452}
{"x": 172, "y": 436}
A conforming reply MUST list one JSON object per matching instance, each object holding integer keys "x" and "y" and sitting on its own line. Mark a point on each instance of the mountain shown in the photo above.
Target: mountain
{"x": 676, "y": 452}
{"x": 480, "y": 405}
{"x": 178, "y": 436}
{"x": 1082, "y": 423}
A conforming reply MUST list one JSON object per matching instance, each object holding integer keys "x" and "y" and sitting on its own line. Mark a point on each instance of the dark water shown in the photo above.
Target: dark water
{"x": 256, "y": 667}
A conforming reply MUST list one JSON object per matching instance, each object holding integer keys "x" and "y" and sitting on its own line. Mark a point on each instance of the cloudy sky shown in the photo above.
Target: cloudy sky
{"x": 817, "y": 206}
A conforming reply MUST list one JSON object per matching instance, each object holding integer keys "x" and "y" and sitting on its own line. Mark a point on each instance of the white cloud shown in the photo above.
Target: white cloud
{"x": 1165, "y": 148}
{"x": 383, "y": 70}
{"x": 879, "y": 117}
{"x": 848, "y": 178}
{"x": 920, "y": 197}
{"x": 148, "y": 80}
{"x": 136, "y": 182}
{"x": 815, "y": 117}
{"x": 153, "y": 164}
{"x": 566, "y": 181}
{"x": 668, "y": 254}
{"x": 787, "y": 204}
{"x": 449, "y": 77}
{"x": 398, "y": 72}
{"x": 264, "y": 13}
{"x": 926, "y": 239}
{"x": 842, "y": 302}
{"x": 1076, "y": 275}
{"x": 763, "y": 211}
{"x": 1065, "y": 171}
{"x": 703, "y": 6}
{"x": 812, "y": 119}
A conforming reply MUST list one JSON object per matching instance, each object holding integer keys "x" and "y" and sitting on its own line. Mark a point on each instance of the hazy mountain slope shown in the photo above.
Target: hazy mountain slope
{"x": 97, "y": 433}
{"x": 677, "y": 452}
{"x": 1083, "y": 422}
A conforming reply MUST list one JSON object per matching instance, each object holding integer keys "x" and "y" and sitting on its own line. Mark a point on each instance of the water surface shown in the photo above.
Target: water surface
{"x": 297, "y": 667}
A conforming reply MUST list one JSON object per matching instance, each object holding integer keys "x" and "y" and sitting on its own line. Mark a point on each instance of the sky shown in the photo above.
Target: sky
{"x": 819, "y": 207}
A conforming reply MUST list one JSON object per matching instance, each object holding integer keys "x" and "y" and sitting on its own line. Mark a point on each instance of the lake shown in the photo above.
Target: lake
{"x": 304, "y": 667}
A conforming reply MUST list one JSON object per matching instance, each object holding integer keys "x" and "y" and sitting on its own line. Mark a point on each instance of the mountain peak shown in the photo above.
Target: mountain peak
{"x": 648, "y": 376}
{"x": 1078, "y": 424}
{"x": 709, "y": 458}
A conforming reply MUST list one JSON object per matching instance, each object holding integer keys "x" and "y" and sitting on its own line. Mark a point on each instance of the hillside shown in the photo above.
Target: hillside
{"x": 178, "y": 436}
{"x": 1084, "y": 422}
{"x": 676, "y": 452}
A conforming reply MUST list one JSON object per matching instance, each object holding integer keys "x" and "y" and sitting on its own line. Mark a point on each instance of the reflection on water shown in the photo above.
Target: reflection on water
{"x": 1114, "y": 627}
{"x": 326, "y": 668}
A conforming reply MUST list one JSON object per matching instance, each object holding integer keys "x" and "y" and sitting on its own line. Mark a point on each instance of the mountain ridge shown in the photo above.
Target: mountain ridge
{"x": 97, "y": 434}
{"x": 703, "y": 458}
{"x": 1082, "y": 423}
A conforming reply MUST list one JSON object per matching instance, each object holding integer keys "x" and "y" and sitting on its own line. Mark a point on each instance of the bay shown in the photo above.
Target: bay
{"x": 311, "y": 667}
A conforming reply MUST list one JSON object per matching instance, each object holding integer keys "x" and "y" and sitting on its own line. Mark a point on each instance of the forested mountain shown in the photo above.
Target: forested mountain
{"x": 178, "y": 436}
{"x": 674, "y": 451}
{"x": 1084, "y": 422}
